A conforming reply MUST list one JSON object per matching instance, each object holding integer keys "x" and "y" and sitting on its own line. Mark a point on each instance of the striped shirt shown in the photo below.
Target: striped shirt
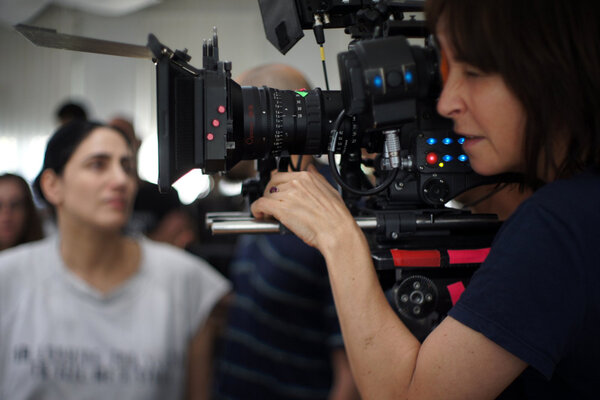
{"x": 282, "y": 326}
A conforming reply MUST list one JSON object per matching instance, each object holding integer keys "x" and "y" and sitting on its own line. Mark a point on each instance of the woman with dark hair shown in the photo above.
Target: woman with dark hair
{"x": 91, "y": 313}
{"x": 19, "y": 220}
{"x": 523, "y": 87}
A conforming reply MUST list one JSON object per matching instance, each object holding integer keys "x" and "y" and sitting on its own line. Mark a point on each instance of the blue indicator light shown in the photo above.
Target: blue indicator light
{"x": 461, "y": 140}
{"x": 462, "y": 158}
{"x": 447, "y": 158}
{"x": 377, "y": 81}
{"x": 431, "y": 141}
{"x": 408, "y": 77}
{"x": 447, "y": 141}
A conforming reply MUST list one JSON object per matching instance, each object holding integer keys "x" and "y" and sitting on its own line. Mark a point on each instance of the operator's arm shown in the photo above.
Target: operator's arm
{"x": 200, "y": 354}
{"x": 387, "y": 361}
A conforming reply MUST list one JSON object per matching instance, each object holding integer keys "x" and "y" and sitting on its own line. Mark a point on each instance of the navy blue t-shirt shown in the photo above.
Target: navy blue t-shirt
{"x": 538, "y": 293}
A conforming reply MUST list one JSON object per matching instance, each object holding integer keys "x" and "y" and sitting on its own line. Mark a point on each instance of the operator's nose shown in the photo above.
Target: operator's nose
{"x": 451, "y": 104}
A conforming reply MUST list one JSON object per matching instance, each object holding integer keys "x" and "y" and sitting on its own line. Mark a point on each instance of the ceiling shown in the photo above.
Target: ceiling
{"x": 21, "y": 11}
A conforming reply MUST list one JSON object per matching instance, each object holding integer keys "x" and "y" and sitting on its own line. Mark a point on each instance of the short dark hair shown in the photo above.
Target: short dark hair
{"x": 70, "y": 111}
{"x": 33, "y": 224}
{"x": 61, "y": 146}
{"x": 547, "y": 53}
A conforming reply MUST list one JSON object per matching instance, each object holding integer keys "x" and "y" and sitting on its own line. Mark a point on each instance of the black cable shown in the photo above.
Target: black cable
{"x": 320, "y": 38}
{"x": 391, "y": 176}
{"x": 475, "y": 202}
{"x": 324, "y": 67}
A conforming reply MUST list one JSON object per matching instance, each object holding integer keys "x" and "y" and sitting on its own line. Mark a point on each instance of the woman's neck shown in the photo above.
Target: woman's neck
{"x": 104, "y": 259}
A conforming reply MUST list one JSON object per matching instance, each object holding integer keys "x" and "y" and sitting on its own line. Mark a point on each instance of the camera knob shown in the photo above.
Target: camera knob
{"x": 436, "y": 191}
{"x": 394, "y": 79}
{"x": 415, "y": 297}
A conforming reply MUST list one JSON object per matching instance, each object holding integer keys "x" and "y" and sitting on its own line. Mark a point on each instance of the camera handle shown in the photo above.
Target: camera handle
{"x": 240, "y": 222}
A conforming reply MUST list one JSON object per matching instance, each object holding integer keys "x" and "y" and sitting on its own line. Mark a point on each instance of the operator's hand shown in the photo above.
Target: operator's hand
{"x": 308, "y": 206}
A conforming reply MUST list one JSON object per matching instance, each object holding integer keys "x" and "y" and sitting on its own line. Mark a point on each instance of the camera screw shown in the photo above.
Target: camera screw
{"x": 399, "y": 186}
{"x": 394, "y": 235}
{"x": 417, "y": 310}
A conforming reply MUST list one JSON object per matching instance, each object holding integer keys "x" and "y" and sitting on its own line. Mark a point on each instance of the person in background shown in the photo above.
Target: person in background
{"x": 69, "y": 111}
{"x": 282, "y": 339}
{"x": 19, "y": 220}
{"x": 523, "y": 87}
{"x": 90, "y": 312}
{"x": 160, "y": 216}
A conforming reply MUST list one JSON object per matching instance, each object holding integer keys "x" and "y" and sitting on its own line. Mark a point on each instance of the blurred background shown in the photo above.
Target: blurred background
{"x": 34, "y": 81}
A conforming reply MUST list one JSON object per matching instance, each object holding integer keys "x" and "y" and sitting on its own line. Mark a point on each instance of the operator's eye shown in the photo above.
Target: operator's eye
{"x": 472, "y": 72}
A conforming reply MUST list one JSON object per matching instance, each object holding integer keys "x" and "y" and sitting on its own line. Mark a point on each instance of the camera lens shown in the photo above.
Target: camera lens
{"x": 273, "y": 122}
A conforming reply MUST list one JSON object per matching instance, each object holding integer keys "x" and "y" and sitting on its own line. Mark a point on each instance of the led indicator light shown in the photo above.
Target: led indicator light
{"x": 408, "y": 77}
{"x": 377, "y": 81}
{"x": 221, "y": 109}
{"x": 210, "y": 136}
{"x": 461, "y": 140}
{"x": 302, "y": 92}
{"x": 447, "y": 141}
{"x": 431, "y": 158}
{"x": 447, "y": 158}
{"x": 215, "y": 123}
{"x": 431, "y": 141}
{"x": 441, "y": 165}
{"x": 462, "y": 158}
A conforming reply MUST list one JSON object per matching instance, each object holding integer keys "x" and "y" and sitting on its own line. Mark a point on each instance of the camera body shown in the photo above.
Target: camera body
{"x": 386, "y": 106}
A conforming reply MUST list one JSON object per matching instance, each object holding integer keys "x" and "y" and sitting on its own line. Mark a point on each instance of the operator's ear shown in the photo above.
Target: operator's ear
{"x": 51, "y": 186}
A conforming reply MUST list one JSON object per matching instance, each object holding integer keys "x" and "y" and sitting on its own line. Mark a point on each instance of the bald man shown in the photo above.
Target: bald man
{"x": 283, "y": 339}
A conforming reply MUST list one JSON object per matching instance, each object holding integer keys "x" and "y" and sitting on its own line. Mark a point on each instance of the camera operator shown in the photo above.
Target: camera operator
{"x": 527, "y": 99}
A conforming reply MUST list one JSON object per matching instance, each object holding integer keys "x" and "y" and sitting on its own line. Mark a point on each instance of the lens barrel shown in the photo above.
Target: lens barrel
{"x": 273, "y": 122}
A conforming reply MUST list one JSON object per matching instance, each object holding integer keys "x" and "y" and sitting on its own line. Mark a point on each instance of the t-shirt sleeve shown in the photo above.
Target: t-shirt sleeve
{"x": 206, "y": 287}
{"x": 528, "y": 296}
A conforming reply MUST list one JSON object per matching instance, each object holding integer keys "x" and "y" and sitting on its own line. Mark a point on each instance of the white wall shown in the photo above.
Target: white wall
{"x": 33, "y": 81}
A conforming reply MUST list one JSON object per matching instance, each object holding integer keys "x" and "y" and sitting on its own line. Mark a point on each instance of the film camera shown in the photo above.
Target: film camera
{"x": 424, "y": 251}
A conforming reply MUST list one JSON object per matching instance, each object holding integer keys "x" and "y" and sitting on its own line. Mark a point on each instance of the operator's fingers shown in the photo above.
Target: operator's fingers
{"x": 306, "y": 204}
{"x": 309, "y": 178}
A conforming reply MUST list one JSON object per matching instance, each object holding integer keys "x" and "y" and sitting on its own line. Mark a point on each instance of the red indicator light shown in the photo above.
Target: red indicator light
{"x": 431, "y": 158}
{"x": 210, "y": 136}
{"x": 215, "y": 123}
{"x": 221, "y": 109}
